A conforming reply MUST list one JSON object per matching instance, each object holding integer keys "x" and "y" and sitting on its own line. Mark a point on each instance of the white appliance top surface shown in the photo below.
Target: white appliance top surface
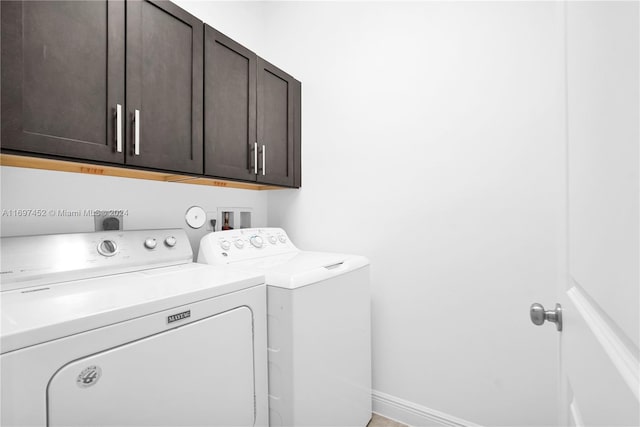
{"x": 293, "y": 263}
{"x": 39, "y": 314}
{"x": 31, "y": 261}
{"x": 282, "y": 263}
{"x": 295, "y": 270}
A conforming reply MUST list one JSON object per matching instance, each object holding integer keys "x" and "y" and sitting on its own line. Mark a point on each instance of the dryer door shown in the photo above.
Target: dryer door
{"x": 198, "y": 374}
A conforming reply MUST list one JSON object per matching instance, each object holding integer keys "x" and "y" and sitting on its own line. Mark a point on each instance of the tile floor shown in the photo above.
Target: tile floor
{"x": 380, "y": 421}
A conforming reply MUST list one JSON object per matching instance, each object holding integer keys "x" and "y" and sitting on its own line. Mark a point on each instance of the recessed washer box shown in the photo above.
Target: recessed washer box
{"x": 233, "y": 218}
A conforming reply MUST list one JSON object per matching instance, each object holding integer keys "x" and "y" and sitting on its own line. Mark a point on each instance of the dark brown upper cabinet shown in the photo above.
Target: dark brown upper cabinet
{"x": 250, "y": 114}
{"x": 277, "y": 114}
{"x": 64, "y": 78}
{"x": 164, "y": 87}
{"x": 143, "y": 83}
{"x": 229, "y": 107}
{"x": 297, "y": 134}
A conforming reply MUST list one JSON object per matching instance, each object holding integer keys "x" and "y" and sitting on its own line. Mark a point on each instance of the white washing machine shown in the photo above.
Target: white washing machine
{"x": 319, "y": 326}
{"x": 121, "y": 328}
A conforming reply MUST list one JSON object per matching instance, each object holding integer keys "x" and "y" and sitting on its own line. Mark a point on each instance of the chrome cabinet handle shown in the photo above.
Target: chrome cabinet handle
{"x": 264, "y": 165}
{"x": 255, "y": 158}
{"x": 539, "y": 315}
{"x": 136, "y": 136}
{"x": 119, "y": 128}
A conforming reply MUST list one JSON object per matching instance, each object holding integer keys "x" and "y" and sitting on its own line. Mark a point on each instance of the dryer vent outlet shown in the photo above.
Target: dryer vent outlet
{"x": 108, "y": 222}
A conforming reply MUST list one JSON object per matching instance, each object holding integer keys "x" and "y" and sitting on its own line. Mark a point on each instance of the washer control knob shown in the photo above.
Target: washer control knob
{"x": 256, "y": 241}
{"x": 239, "y": 243}
{"x": 225, "y": 244}
{"x": 273, "y": 240}
{"x": 150, "y": 243}
{"x": 170, "y": 241}
{"x": 282, "y": 238}
{"x": 108, "y": 248}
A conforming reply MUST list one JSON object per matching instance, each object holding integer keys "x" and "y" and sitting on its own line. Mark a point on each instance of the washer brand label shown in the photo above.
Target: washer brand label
{"x": 89, "y": 376}
{"x": 178, "y": 316}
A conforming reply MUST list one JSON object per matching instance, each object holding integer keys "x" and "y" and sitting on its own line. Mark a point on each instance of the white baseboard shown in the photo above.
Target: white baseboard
{"x": 413, "y": 414}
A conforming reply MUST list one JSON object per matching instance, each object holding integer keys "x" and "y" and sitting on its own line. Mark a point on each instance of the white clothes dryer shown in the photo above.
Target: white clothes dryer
{"x": 121, "y": 328}
{"x": 319, "y": 326}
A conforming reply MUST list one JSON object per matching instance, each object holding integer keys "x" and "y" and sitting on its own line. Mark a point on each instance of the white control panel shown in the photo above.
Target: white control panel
{"x": 36, "y": 260}
{"x": 224, "y": 247}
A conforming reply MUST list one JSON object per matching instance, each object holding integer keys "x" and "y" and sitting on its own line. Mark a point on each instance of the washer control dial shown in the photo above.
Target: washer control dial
{"x": 108, "y": 248}
{"x": 282, "y": 238}
{"x": 256, "y": 241}
{"x": 239, "y": 243}
{"x": 150, "y": 243}
{"x": 273, "y": 240}
{"x": 225, "y": 244}
{"x": 170, "y": 241}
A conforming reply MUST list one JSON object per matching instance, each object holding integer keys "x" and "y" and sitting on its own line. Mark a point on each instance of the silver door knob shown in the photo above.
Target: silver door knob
{"x": 539, "y": 315}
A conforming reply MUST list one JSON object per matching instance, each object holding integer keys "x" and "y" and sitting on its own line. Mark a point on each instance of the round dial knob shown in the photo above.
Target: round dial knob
{"x": 170, "y": 241}
{"x": 273, "y": 240}
{"x": 108, "y": 248}
{"x": 239, "y": 244}
{"x": 225, "y": 244}
{"x": 150, "y": 243}
{"x": 282, "y": 238}
{"x": 256, "y": 241}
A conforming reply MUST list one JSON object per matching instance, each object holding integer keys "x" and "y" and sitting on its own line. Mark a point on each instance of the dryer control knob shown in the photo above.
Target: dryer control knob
{"x": 282, "y": 238}
{"x": 256, "y": 241}
{"x": 225, "y": 244}
{"x": 239, "y": 244}
{"x": 170, "y": 241}
{"x": 150, "y": 243}
{"x": 273, "y": 240}
{"x": 108, "y": 248}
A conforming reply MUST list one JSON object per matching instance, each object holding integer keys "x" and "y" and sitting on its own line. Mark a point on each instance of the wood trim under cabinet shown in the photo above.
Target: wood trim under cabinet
{"x": 91, "y": 169}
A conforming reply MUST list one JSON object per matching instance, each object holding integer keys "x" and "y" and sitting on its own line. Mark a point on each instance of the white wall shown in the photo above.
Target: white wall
{"x": 433, "y": 143}
{"x": 150, "y": 204}
{"x": 243, "y": 21}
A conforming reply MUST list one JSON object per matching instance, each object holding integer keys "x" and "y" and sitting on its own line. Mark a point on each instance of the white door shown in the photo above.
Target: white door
{"x": 601, "y": 302}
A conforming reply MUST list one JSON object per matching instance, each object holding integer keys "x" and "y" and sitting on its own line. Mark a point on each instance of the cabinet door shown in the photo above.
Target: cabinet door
{"x": 275, "y": 125}
{"x": 297, "y": 135}
{"x": 229, "y": 107}
{"x": 164, "y": 87}
{"x": 63, "y": 77}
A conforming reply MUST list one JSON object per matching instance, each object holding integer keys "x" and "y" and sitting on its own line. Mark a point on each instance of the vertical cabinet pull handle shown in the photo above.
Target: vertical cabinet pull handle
{"x": 264, "y": 150}
{"x": 255, "y": 158}
{"x": 136, "y": 136}
{"x": 119, "y": 128}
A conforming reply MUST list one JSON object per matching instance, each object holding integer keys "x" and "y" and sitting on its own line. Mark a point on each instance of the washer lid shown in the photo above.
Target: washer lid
{"x": 298, "y": 269}
{"x": 36, "y": 315}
